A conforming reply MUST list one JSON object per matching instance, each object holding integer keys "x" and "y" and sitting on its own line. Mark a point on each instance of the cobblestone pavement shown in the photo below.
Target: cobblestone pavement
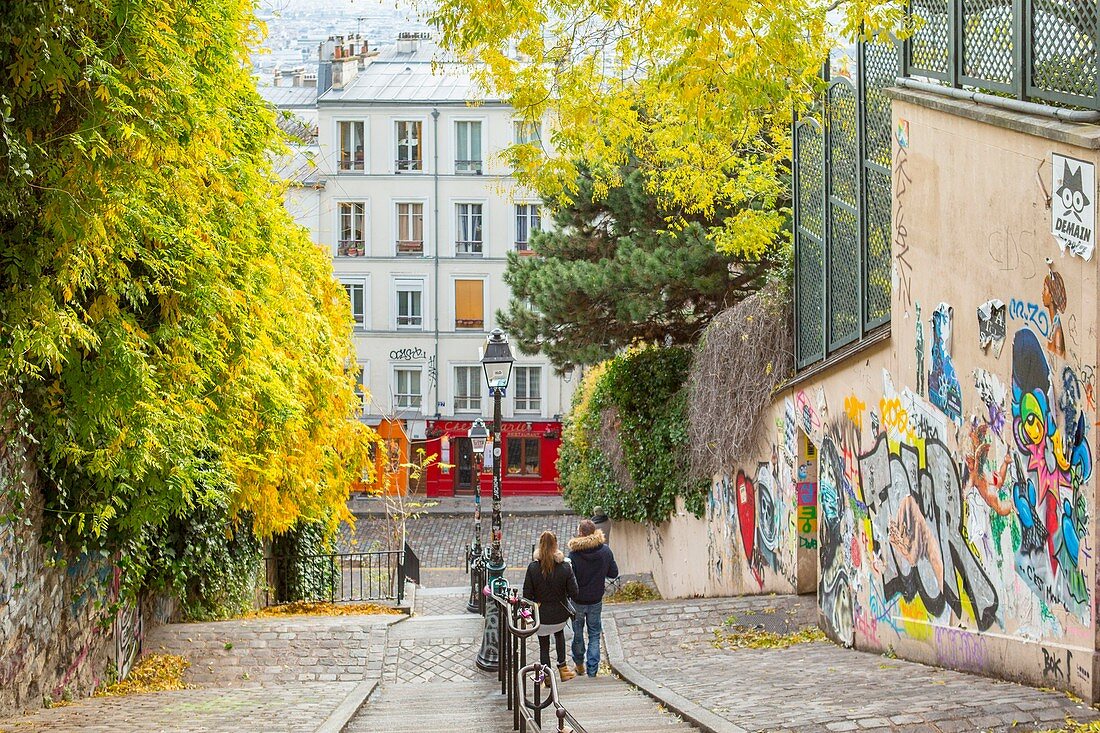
{"x": 439, "y": 540}
{"x": 265, "y": 675}
{"x": 818, "y": 686}
{"x": 433, "y": 649}
{"x": 299, "y": 709}
{"x": 441, "y": 601}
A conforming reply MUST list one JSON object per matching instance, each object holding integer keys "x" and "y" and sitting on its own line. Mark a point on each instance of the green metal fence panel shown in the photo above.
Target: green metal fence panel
{"x": 928, "y": 50}
{"x": 1062, "y": 58}
{"x": 843, "y": 262}
{"x": 989, "y": 44}
{"x": 879, "y": 63}
{"x": 809, "y": 242}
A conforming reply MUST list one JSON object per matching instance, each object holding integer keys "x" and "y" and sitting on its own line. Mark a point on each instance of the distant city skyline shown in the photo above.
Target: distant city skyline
{"x": 295, "y": 27}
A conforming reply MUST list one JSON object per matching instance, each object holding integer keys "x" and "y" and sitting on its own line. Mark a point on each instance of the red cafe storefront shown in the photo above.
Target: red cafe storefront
{"x": 529, "y": 458}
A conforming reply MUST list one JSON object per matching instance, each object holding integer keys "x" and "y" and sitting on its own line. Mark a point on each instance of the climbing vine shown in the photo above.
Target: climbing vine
{"x": 625, "y": 442}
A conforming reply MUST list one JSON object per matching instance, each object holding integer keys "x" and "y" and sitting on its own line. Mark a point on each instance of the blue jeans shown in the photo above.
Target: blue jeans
{"x": 587, "y": 616}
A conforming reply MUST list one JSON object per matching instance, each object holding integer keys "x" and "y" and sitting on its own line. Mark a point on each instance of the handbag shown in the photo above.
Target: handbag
{"x": 570, "y": 609}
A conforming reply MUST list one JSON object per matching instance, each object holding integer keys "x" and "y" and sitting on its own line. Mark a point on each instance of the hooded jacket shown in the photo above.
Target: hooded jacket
{"x": 593, "y": 562}
{"x": 550, "y": 591}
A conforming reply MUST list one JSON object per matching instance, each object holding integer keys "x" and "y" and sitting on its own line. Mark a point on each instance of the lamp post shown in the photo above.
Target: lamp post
{"x": 475, "y": 559}
{"x": 497, "y": 365}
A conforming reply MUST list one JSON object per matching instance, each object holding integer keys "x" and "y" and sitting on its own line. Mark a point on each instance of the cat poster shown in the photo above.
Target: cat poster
{"x": 1073, "y": 205}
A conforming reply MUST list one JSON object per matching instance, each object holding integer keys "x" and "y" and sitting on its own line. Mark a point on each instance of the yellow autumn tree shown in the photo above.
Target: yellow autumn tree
{"x": 702, "y": 92}
{"x": 178, "y": 347}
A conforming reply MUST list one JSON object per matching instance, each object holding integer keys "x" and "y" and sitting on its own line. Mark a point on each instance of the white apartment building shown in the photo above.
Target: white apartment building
{"x": 410, "y": 196}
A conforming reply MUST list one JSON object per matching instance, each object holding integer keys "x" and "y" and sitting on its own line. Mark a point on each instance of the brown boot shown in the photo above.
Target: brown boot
{"x": 565, "y": 673}
{"x": 580, "y": 669}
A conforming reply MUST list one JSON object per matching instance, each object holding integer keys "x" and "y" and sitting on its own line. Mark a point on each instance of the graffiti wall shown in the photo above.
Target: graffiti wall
{"x": 937, "y": 489}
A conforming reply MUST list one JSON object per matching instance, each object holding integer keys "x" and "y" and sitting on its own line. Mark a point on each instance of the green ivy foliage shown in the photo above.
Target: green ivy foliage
{"x": 178, "y": 346}
{"x": 305, "y": 569}
{"x": 637, "y": 399}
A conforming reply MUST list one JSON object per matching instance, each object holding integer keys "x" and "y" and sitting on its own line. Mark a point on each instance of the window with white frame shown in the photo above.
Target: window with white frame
{"x": 467, "y": 392}
{"x": 352, "y": 241}
{"x": 357, "y": 296}
{"x": 361, "y": 378}
{"x": 468, "y": 146}
{"x": 410, "y": 228}
{"x": 525, "y": 132}
{"x": 410, "y": 304}
{"x": 528, "y": 221}
{"x": 409, "y": 149}
{"x": 351, "y": 145}
{"x": 406, "y": 388}
{"x": 528, "y": 390}
{"x": 468, "y": 231}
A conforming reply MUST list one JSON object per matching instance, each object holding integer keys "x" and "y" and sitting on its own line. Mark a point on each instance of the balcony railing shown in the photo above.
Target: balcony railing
{"x": 478, "y": 323}
{"x": 408, "y": 165}
{"x": 468, "y": 248}
{"x": 410, "y": 246}
{"x": 470, "y": 167}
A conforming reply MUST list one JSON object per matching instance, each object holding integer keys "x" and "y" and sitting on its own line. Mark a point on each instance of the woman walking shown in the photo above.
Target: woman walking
{"x": 550, "y": 583}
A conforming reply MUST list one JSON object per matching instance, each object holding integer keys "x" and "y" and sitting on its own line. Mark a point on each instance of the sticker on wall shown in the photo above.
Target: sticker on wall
{"x": 1054, "y": 300}
{"x": 922, "y": 386}
{"x": 902, "y": 133}
{"x": 991, "y": 326}
{"x": 944, "y": 390}
{"x": 1073, "y": 210}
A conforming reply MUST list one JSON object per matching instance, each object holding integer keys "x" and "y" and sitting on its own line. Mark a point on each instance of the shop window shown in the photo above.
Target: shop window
{"x": 523, "y": 457}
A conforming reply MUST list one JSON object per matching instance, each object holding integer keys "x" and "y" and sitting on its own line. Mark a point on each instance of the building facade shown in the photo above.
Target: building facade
{"x": 410, "y": 195}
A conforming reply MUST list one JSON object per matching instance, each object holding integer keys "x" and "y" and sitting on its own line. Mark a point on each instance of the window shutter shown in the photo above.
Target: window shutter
{"x": 469, "y": 304}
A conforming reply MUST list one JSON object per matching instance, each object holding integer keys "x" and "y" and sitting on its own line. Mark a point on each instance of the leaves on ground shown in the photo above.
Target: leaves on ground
{"x": 309, "y": 608}
{"x": 635, "y": 590}
{"x": 1072, "y": 726}
{"x": 153, "y": 673}
{"x": 739, "y": 636}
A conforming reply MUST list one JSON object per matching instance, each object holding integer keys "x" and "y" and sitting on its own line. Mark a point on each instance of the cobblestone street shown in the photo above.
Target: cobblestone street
{"x": 811, "y": 687}
{"x": 439, "y": 539}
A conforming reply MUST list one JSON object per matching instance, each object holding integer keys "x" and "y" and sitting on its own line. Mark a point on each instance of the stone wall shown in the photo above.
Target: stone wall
{"x": 56, "y": 637}
{"x": 937, "y": 492}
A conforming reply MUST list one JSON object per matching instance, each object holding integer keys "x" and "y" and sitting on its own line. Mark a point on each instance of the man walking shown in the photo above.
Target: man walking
{"x": 592, "y": 562}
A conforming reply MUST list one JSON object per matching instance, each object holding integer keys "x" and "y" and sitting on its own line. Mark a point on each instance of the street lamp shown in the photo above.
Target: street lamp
{"x": 475, "y": 558}
{"x": 497, "y": 364}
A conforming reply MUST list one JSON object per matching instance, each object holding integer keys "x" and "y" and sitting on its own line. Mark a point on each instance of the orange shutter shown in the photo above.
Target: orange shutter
{"x": 469, "y": 304}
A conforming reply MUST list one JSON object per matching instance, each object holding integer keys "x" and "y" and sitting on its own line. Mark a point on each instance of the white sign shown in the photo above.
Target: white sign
{"x": 1073, "y": 210}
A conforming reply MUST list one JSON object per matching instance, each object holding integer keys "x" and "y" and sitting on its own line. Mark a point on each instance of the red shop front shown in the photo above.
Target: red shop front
{"x": 528, "y": 458}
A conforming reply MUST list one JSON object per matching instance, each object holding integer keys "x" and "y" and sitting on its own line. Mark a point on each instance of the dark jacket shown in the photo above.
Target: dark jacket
{"x": 592, "y": 561}
{"x": 550, "y": 591}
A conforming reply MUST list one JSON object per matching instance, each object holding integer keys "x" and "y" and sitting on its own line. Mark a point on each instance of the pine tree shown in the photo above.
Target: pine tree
{"x": 612, "y": 272}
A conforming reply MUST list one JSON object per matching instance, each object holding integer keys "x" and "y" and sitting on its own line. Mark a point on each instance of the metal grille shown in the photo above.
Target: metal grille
{"x": 878, "y": 70}
{"x": 929, "y": 46}
{"x": 879, "y": 67}
{"x": 1064, "y": 54}
{"x": 988, "y": 39}
{"x": 843, "y": 261}
{"x": 809, "y": 184}
{"x": 877, "y": 216}
{"x": 1043, "y": 50}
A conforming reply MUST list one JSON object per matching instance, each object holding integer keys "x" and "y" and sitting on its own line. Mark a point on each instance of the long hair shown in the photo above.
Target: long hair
{"x": 548, "y": 548}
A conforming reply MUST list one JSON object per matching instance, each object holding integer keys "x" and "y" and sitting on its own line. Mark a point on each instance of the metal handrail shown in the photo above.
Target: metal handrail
{"x": 518, "y": 621}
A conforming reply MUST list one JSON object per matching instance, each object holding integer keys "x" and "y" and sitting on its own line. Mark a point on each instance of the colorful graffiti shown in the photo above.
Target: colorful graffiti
{"x": 1053, "y": 462}
{"x": 914, "y": 495}
{"x": 943, "y": 383}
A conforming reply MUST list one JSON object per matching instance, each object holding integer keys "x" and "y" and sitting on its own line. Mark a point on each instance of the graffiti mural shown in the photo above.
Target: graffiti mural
{"x": 1049, "y": 470}
{"x": 943, "y": 383}
{"x": 834, "y": 591}
{"x": 914, "y": 496}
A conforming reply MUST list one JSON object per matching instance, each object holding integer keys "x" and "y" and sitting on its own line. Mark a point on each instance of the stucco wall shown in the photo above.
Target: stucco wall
{"x": 948, "y": 503}
{"x": 58, "y": 634}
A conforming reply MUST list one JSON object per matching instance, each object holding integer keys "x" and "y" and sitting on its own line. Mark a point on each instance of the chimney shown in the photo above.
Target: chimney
{"x": 409, "y": 41}
{"x": 340, "y": 57}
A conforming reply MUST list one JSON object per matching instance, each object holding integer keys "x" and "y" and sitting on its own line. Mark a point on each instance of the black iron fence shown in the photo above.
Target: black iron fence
{"x": 1040, "y": 50}
{"x": 530, "y": 688}
{"x": 341, "y": 577}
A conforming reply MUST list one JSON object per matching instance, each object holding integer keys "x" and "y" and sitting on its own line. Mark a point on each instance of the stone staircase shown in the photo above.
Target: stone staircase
{"x": 431, "y": 685}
